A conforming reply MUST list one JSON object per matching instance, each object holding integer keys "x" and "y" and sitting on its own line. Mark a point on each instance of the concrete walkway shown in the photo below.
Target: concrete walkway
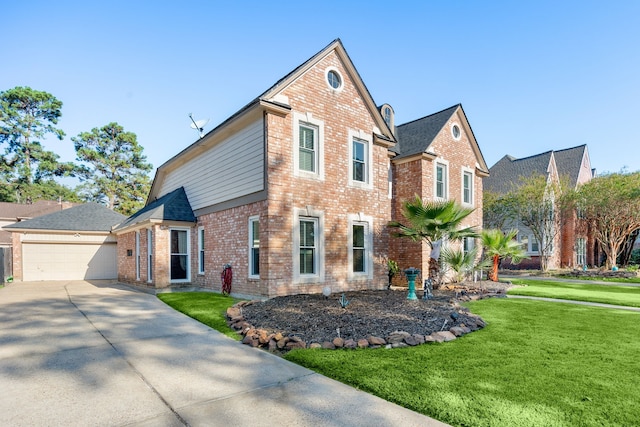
{"x": 79, "y": 354}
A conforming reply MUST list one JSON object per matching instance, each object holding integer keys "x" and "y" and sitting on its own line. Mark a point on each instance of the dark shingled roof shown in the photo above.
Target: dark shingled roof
{"x": 509, "y": 171}
{"x": 569, "y": 162}
{"x": 87, "y": 217}
{"x": 416, "y": 136}
{"x": 173, "y": 206}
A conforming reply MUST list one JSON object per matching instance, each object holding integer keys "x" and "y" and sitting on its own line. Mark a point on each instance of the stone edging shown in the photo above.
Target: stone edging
{"x": 279, "y": 341}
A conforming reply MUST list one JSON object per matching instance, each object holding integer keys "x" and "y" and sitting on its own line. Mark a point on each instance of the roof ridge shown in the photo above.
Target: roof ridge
{"x": 431, "y": 115}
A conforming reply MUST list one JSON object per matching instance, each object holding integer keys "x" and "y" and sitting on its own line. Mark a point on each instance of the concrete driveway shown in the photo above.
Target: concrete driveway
{"x": 77, "y": 353}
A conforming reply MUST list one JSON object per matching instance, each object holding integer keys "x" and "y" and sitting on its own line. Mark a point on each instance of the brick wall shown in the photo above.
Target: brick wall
{"x": 340, "y": 112}
{"x": 416, "y": 177}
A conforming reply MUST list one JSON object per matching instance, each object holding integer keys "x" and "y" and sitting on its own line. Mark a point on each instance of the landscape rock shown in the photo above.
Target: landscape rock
{"x": 350, "y": 344}
{"x": 315, "y": 345}
{"x": 328, "y": 345}
{"x": 376, "y": 340}
{"x": 446, "y": 335}
{"x": 419, "y": 338}
{"x": 457, "y": 331}
{"x": 338, "y": 342}
{"x": 233, "y": 312}
{"x": 362, "y": 343}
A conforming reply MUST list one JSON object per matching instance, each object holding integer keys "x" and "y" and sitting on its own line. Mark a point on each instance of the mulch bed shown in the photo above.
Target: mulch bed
{"x": 314, "y": 318}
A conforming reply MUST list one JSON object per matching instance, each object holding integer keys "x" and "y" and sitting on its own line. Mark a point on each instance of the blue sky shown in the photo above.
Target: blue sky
{"x": 531, "y": 76}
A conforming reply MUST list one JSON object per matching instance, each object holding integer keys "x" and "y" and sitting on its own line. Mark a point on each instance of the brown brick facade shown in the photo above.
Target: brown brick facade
{"x": 329, "y": 198}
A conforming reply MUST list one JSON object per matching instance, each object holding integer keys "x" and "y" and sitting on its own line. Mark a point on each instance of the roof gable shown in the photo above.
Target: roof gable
{"x": 416, "y": 137}
{"x": 86, "y": 217}
{"x": 509, "y": 171}
{"x": 569, "y": 162}
{"x": 270, "y": 100}
{"x": 173, "y": 206}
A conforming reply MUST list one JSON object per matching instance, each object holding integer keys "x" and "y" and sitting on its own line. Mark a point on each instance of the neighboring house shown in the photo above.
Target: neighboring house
{"x": 70, "y": 244}
{"x": 439, "y": 159}
{"x": 294, "y": 191}
{"x": 574, "y": 244}
{"x": 11, "y": 213}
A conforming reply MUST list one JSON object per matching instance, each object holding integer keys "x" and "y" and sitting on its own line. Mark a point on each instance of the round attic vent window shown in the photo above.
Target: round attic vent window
{"x": 455, "y": 131}
{"x": 334, "y": 80}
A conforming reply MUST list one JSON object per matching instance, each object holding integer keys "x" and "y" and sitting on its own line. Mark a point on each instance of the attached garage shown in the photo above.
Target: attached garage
{"x": 69, "y": 261}
{"x": 73, "y": 244}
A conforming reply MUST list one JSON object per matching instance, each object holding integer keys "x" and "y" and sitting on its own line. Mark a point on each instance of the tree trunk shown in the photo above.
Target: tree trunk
{"x": 493, "y": 274}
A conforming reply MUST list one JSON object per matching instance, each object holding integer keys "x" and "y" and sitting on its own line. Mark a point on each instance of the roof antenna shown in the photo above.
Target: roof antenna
{"x": 198, "y": 124}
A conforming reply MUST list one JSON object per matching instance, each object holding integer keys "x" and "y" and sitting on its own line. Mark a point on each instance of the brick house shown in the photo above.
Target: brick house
{"x": 294, "y": 191}
{"x": 574, "y": 244}
{"x": 438, "y": 159}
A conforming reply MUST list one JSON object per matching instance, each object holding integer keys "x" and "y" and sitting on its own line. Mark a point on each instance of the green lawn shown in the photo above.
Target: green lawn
{"x": 604, "y": 279}
{"x": 608, "y": 294}
{"x": 535, "y": 364}
{"x": 206, "y": 307}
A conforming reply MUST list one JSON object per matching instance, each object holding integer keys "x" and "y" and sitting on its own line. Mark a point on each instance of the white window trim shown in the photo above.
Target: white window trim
{"x": 302, "y": 118}
{"x": 149, "y": 255}
{"x": 138, "y": 255}
{"x": 445, "y": 163}
{"x": 326, "y": 79}
{"x": 200, "y": 249}
{"x": 310, "y": 213}
{"x": 473, "y": 178}
{"x": 252, "y": 219}
{"x": 362, "y": 136}
{"x": 367, "y": 221}
{"x": 188, "y": 232}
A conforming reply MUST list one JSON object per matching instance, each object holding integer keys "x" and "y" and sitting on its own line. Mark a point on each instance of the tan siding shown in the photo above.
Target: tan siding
{"x": 230, "y": 169}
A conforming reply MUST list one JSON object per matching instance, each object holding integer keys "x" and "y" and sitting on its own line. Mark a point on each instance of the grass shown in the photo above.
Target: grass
{"x": 604, "y": 279}
{"x": 206, "y": 307}
{"x": 608, "y": 294}
{"x": 536, "y": 363}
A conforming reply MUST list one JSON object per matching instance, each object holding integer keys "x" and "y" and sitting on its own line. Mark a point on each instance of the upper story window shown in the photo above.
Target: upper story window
{"x": 359, "y": 159}
{"x": 467, "y": 187}
{"x": 387, "y": 116}
{"x": 334, "y": 79}
{"x": 308, "y": 146}
{"x": 442, "y": 185}
{"x": 360, "y": 164}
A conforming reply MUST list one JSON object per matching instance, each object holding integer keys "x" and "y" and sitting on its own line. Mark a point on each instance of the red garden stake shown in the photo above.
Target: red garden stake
{"x": 226, "y": 276}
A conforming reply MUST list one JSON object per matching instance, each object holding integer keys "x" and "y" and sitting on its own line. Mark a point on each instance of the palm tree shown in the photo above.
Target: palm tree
{"x": 498, "y": 245}
{"x": 433, "y": 222}
{"x": 460, "y": 262}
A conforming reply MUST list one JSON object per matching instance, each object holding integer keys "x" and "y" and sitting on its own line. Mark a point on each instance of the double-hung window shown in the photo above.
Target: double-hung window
{"x": 254, "y": 247}
{"x": 308, "y": 246}
{"x": 308, "y": 148}
{"x": 359, "y": 248}
{"x": 359, "y": 160}
{"x": 467, "y": 187}
{"x": 441, "y": 181}
{"x": 201, "y": 250}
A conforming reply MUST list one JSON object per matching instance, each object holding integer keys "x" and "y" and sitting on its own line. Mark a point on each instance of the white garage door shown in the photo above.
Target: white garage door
{"x": 59, "y": 261}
